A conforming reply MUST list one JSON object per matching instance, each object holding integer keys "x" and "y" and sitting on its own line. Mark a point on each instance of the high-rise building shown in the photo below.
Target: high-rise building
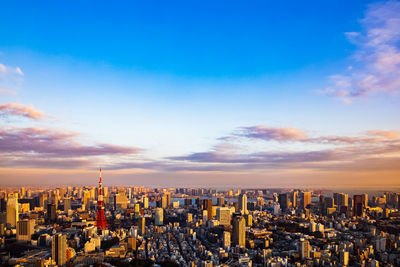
{"x": 226, "y": 240}
{"x": 12, "y": 210}
{"x": 168, "y": 198}
{"x": 189, "y": 218}
{"x": 142, "y": 225}
{"x": 101, "y": 221}
{"x": 293, "y": 198}
{"x": 207, "y": 205}
{"x": 243, "y": 203}
{"x": 51, "y": 212}
{"x": 365, "y": 200}
{"x": 283, "y": 200}
{"x": 305, "y": 249}
{"x": 341, "y": 199}
{"x": 67, "y": 204}
{"x": 25, "y": 229}
{"x": 59, "y": 249}
{"x": 239, "y": 231}
{"x": 224, "y": 216}
{"x": 358, "y": 205}
{"x": 159, "y": 217}
{"x": 145, "y": 202}
{"x": 305, "y": 199}
{"x": 220, "y": 201}
{"x": 132, "y": 243}
{"x": 344, "y": 258}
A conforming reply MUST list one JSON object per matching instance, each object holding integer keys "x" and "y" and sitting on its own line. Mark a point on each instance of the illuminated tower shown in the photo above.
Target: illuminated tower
{"x": 100, "y": 217}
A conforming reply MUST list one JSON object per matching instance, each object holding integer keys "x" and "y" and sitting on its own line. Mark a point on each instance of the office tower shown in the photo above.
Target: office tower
{"x": 305, "y": 199}
{"x": 344, "y": 258}
{"x": 224, "y": 216}
{"x": 205, "y": 216}
{"x": 164, "y": 201}
{"x": 365, "y": 200}
{"x": 189, "y": 218}
{"x": 243, "y": 203}
{"x": 59, "y": 249}
{"x": 305, "y": 249}
{"x": 54, "y": 199}
{"x": 220, "y": 201}
{"x": 145, "y": 202}
{"x": 329, "y": 203}
{"x": 22, "y": 192}
{"x": 120, "y": 200}
{"x": 142, "y": 225}
{"x": 67, "y": 204}
{"x": 239, "y": 231}
{"x": 226, "y": 240}
{"x": 25, "y": 229}
{"x": 358, "y": 205}
{"x": 168, "y": 198}
{"x": 283, "y": 201}
{"x": 249, "y": 220}
{"x": 159, "y": 217}
{"x": 86, "y": 199}
{"x": 341, "y": 199}
{"x": 101, "y": 221}
{"x": 207, "y": 205}
{"x": 12, "y": 210}
{"x": 51, "y": 212}
{"x": 293, "y": 198}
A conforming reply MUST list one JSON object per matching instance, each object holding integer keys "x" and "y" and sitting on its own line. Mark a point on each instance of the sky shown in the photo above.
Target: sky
{"x": 200, "y": 93}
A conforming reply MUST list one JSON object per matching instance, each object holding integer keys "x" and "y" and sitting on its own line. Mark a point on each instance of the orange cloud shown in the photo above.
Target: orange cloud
{"x": 14, "y": 109}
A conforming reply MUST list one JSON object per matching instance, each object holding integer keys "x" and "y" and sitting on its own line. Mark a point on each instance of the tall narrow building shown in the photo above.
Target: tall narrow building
{"x": 305, "y": 199}
{"x": 12, "y": 210}
{"x": 243, "y": 203}
{"x": 59, "y": 249}
{"x": 101, "y": 221}
{"x": 239, "y": 231}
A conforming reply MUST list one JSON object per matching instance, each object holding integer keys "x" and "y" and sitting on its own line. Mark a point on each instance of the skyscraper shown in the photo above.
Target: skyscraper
{"x": 239, "y": 231}
{"x": 305, "y": 199}
{"x": 67, "y": 204}
{"x": 207, "y": 205}
{"x": 283, "y": 201}
{"x": 220, "y": 201}
{"x": 59, "y": 249}
{"x": 243, "y": 203}
{"x": 142, "y": 224}
{"x": 101, "y": 221}
{"x": 293, "y": 198}
{"x": 159, "y": 217}
{"x": 12, "y": 210}
{"x": 358, "y": 205}
{"x": 51, "y": 212}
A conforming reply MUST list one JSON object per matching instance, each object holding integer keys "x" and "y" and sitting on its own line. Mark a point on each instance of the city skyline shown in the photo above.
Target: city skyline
{"x": 217, "y": 95}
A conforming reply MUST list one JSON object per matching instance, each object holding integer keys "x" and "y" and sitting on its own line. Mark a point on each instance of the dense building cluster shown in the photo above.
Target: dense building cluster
{"x": 198, "y": 227}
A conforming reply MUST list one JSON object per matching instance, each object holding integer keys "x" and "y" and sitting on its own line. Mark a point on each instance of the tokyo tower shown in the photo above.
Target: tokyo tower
{"x": 100, "y": 217}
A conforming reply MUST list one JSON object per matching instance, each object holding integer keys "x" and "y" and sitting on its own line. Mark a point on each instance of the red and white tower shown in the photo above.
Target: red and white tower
{"x": 100, "y": 217}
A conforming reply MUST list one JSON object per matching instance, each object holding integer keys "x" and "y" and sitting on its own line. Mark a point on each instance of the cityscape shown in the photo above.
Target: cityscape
{"x": 200, "y": 133}
{"x": 139, "y": 226}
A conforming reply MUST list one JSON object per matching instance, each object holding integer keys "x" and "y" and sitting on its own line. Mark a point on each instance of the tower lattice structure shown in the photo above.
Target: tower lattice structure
{"x": 101, "y": 221}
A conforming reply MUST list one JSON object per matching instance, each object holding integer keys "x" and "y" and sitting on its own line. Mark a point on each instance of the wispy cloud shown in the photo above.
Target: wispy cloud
{"x": 273, "y": 133}
{"x": 14, "y": 109}
{"x": 10, "y": 79}
{"x": 35, "y": 147}
{"x": 377, "y": 60}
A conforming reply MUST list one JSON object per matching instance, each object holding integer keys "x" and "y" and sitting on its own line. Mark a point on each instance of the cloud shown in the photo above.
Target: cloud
{"x": 33, "y": 147}
{"x": 377, "y": 60}
{"x": 14, "y": 109}
{"x": 273, "y": 133}
{"x": 10, "y": 79}
{"x": 343, "y": 151}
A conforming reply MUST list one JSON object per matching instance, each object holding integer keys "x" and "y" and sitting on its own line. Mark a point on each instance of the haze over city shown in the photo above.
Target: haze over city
{"x": 210, "y": 94}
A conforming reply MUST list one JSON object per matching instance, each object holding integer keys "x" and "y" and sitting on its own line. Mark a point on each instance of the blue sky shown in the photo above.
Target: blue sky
{"x": 172, "y": 78}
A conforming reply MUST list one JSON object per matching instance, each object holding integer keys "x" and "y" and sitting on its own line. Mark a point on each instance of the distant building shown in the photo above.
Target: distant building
{"x": 67, "y": 204}
{"x": 358, "y": 205}
{"x": 239, "y": 231}
{"x": 51, "y": 212}
{"x": 226, "y": 240}
{"x": 224, "y": 216}
{"x": 283, "y": 200}
{"x": 12, "y": 210}
{"x": 159, "y": 217}
{"x": 305, "y": 199}
{"x": 243, "y": 204}
{"x": 142, "y": 225}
